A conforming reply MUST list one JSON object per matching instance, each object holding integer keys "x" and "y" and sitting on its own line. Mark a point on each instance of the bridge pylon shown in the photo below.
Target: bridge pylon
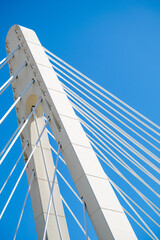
{"x": 93, "y": 185}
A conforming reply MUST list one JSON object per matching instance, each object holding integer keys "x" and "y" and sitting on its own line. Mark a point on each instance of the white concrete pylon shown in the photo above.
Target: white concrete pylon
{"x": 41, "y": 162}
{"x": 103, "y": 207}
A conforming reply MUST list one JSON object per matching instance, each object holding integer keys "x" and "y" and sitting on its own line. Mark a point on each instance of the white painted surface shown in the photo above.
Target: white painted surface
{"x": 40, "y": 190}
{"x": 93, "y": 185}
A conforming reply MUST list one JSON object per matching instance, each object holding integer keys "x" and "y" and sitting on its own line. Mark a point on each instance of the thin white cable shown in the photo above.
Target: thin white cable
{"x": 64, "y": 178}
{"x": 117, "y": 186}
{"x": 125, "y": 154}
{"x": 69, "y": 186}
{"x": 69, "y": 91}
{"x": 50, "y": 198}
{"x": 148, "y": 228}
{"x": 11, "y": 79}
{"x": 56, "y": 153}
{"x": 12, "y": 143}
{"x": 120, "y": 131}
{"x": 73, "y": 215}
{"x": 14, "y": 167}
{"x": 154, "y": 206}
{"x": 100, "y": 105}
{"x": 50, "y": 134}
{"x": 7, "y": 144}
{"x": 117, "y": 137}
{"x": 138, "y": 223}
{"x": 46, "y": 169}
{"x": 137, "y": 205}
{"x": 117, "y": 172}
{"x": 114, "y": 169}
{"x": 122, "y": 163}
{"x": 123, "y": 109}
{"x": 10, "y": 109}
{"x": 108, "y": 162}
{"x": 77, "y": 195}
{"x": 17, "y": 100}
{"x": 19, "y": 132}
{"x": 6, "y": 59}
{"x": 53, "y": 148}
{"x": 103, "y": 89}
{"x": 24, "y": 204}
{"x": 73, "y": 193}
{"x": 24, "y": 168}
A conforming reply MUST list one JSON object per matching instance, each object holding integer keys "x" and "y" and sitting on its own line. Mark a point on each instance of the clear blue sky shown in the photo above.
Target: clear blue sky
{"x": 116, "y": 43}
